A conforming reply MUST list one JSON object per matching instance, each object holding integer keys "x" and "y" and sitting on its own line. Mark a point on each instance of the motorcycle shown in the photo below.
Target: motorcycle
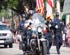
{"x": 38, "y": 43}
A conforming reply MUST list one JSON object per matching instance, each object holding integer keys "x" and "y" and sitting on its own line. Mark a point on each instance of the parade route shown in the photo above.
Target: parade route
{"x": 15, "y": 50}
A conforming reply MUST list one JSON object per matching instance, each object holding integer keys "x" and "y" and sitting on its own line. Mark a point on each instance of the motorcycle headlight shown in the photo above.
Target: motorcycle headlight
{"x": 39, "y": 29}
{"x": 56, "y": 26}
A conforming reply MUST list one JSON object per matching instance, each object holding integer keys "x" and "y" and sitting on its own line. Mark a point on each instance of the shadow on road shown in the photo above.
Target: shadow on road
{"x": 46, "y": 54}
{"x": 2, "y": 47}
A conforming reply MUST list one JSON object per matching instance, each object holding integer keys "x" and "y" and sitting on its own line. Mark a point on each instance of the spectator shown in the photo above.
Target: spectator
{"x": 68, "y": 34}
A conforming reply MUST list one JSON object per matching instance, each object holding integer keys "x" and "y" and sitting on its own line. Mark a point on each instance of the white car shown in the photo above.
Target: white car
{"x": 6, "y": 37}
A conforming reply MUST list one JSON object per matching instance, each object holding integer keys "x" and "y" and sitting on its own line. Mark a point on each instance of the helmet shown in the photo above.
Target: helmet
{"x": 31, "y": 12}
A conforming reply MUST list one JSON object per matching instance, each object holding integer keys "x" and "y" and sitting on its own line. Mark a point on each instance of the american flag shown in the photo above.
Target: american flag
{"x": 40, "y": 6}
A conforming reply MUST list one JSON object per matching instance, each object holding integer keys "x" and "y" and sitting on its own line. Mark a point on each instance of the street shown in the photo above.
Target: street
{"x": 10, "y": 51}
{"x": 15, "y": 50}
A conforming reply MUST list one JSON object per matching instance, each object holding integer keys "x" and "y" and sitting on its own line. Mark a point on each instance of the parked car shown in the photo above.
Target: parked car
{"x": 6, "y": 37}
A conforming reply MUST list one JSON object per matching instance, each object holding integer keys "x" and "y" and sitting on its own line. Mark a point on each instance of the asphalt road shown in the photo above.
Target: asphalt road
{"x": 15, "y": 50}
{"x": 10, "y": 51}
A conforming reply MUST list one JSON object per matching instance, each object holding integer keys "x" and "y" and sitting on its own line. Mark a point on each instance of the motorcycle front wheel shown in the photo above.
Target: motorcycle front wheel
{"x": 44, "y": 47}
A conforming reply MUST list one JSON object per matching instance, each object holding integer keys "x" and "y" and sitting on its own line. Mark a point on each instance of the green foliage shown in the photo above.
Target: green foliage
{"x": 4, "y": 4}
{"x": 4, "y": 13}
{"x": 12, "y": 3}
{"x": 7, "y": 4}
{"x": 16, "y": 5}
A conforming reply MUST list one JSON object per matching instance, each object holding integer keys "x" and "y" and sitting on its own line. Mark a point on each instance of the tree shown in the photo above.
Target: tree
{"x": 16, "y": 5}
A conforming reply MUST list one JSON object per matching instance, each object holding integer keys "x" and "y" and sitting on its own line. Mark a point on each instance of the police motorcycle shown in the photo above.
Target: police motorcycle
{"x": 38, "y": 42}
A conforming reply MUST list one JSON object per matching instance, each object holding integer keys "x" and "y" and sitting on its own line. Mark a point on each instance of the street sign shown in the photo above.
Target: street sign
{"x": 66, "y": 8}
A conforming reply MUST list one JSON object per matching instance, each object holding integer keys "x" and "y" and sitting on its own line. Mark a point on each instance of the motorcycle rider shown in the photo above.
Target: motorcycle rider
{"x": 28, "y": 22}
{"x": 28, "y": 26}
{"x": 58, "y": 28}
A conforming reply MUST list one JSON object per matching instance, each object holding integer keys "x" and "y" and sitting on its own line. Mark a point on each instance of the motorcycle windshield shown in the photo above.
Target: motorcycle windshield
{"x": 38, "y": 20}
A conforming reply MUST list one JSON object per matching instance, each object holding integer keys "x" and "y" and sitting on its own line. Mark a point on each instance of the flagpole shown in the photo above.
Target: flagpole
{"x": 45, "y": 11}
